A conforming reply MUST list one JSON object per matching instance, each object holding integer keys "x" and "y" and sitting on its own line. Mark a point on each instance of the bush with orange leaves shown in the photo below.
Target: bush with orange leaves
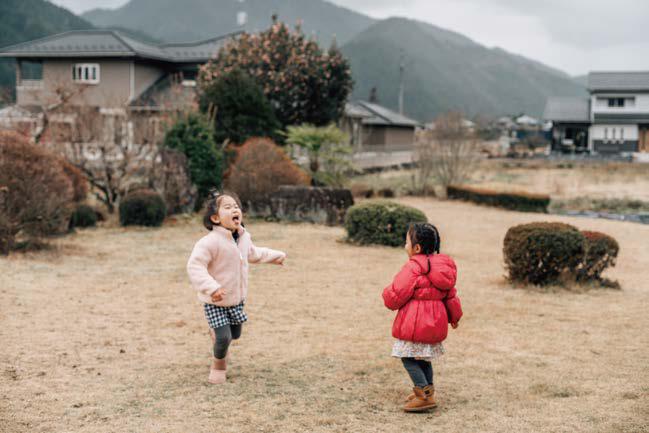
{"x": 260, "y": 168}
{"x": 36, "y": 193}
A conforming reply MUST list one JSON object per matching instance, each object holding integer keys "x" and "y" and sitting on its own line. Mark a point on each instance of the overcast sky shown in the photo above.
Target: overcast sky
{"x": 573, "y": 35}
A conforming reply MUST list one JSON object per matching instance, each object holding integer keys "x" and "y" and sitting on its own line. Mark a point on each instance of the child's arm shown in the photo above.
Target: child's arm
{"x": 197, "y": 265}
{"x": 402, "y": 288}
{"x": 453, "y": 307}
{"x": 265, "y": 255}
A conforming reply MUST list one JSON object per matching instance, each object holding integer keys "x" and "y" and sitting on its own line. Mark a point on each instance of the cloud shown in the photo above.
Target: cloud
{"x": 81, "y": 6}
{"x": 587, "y": 24}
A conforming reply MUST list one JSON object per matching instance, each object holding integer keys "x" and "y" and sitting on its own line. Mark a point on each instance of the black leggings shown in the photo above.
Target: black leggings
{"x": 224, "y": 336}
{"x": 421, "y": 372}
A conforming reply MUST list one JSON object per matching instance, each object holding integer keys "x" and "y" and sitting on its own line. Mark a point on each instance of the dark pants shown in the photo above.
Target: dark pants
{"x": 224, "y": 336}
{"x": 421, "y": 372}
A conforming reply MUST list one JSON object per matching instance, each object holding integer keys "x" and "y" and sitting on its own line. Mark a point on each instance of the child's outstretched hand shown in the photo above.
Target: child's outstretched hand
{"x": 455, "y": 325}
{"x": 217, "y": 296}
{"x": 280, "y": 261}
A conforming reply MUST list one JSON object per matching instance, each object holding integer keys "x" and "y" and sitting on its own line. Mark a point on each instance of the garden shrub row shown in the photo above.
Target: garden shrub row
{"x": 520, "y": 201}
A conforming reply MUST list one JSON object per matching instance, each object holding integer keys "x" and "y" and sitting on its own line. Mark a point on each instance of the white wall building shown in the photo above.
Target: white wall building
{"x": 613, "y": 119}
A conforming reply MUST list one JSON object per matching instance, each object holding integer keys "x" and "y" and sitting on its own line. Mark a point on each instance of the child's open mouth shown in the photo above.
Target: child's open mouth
{"x": 236, "y": 219}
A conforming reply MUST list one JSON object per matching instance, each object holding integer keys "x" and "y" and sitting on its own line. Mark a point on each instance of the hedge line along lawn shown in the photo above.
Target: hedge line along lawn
{"x": 107, "y": 336}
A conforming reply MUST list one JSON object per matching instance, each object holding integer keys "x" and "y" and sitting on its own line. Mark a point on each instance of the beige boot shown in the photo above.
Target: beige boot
{"x": 422, "y": 401}
{"x": 218, "y": 372}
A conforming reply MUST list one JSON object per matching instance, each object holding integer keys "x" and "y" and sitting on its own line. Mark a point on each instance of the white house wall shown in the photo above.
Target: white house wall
{"x": 601, "y": 138}
{"x": 601, "y": 106}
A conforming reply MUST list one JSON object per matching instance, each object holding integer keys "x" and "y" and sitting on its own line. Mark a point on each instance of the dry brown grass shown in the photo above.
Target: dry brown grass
{"x": 560, "y": 180}
{"x": 567, "y": 180}
{"x": 107, "y": 337}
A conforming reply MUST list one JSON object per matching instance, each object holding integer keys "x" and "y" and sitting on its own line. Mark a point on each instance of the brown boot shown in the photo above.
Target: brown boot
{"x": 430, "y": 388}
{"x": 423, "y": 400}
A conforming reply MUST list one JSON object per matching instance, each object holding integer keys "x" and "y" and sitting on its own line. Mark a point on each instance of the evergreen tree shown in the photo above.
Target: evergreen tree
{"x": 239, "y": 108}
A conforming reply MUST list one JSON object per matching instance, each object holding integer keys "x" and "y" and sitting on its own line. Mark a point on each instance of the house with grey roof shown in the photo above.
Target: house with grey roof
{"x": 104, "y": 68}
{"x": 614, "y": 119}
{"x": 372, "y": 127}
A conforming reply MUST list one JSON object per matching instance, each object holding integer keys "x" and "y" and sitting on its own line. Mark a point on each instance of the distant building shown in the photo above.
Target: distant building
{"x": 526, "y": 120}
{"x": 379, "y": 136}
{"x": 613, "y": 120}
{"x": 372, "y": 127}
{"x": 105, "y": 68}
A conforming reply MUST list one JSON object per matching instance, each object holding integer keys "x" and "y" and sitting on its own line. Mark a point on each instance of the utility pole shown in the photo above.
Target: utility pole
{"x": 242, "y": 15}
{"x": 402, "y": 67}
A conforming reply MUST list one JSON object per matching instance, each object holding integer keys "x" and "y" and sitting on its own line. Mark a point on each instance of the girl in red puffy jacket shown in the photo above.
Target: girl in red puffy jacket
{"x": 425, "y": 295}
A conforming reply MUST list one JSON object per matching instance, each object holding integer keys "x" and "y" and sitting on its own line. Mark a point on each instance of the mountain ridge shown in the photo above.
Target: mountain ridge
{"x": 445, "y": 70}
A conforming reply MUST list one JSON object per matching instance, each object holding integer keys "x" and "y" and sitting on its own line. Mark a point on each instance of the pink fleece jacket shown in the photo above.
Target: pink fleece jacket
{"x": 217, "y": 261}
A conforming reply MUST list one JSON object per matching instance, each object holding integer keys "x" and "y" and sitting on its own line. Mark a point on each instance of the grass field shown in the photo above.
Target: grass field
{"x": 560, "y": 180}
{"x": 105, "y": 335}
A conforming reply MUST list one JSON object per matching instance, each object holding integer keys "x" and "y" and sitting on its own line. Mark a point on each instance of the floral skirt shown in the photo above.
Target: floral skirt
{"x": 410, "y": 349}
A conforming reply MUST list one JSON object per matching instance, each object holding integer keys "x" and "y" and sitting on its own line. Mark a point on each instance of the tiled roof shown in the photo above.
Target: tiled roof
{"x": 618, "y": 81}
{"x": 110, "y": 43}
{"x": 374, "y": 114}
{"x": 567, "y": 109}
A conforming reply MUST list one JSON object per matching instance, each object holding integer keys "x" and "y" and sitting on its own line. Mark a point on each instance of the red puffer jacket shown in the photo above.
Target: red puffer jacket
{"x": 427, "y": 301}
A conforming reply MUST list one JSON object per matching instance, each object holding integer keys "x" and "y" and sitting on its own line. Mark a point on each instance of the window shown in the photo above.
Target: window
{"x": 620, "y": 102}
{"x": 605, "y": 134}
{"x": 621, "y": 134}
{"x": 85, "y": 73}
{"x": 613, "y": 134}
{"x": 31, "y": 70}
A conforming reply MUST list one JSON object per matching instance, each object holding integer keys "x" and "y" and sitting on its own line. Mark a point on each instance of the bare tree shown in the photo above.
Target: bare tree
{"x": 103, "y": 144}
{"x": 58, "y": 101}
{"x": 446, "y": 154}
{"x": 117, "y": 146}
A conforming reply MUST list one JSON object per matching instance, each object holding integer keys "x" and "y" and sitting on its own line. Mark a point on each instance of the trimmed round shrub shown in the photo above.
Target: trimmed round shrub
{"x": 601, "y": 253}
{"x": 142, "y": 208}
{"x": 543, "y": 253}
{"x": 260, "y": 168}
{"x": 381, "y": 222}
{"x": 83, "y": 216}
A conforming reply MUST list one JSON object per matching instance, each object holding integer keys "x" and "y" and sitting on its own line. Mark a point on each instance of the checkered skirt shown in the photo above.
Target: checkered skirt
{"x": 220, "y": 316}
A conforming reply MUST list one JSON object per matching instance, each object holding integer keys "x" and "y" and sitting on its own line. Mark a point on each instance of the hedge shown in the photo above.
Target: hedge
{"x": 601, "y": 253}
{"x": 520, "y": 201}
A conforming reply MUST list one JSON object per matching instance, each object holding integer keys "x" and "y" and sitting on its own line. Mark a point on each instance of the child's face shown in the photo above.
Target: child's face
{"x": 229, "y": 215}
{"x": 410, "y": 250}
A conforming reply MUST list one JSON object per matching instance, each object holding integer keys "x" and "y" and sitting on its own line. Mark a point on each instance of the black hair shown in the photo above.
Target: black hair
{"x": 212, "y": 206}
{"x": 426, "y": 236}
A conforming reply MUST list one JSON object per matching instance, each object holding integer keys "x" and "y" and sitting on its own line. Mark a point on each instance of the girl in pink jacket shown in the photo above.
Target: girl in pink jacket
{"x": 218, "y": 271}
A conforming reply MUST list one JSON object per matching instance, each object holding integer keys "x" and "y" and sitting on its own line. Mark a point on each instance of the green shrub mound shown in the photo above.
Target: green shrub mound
{"x": 601, "y": 253}
{"x": 520, "y": 201}
{"x": 383, "y": 223}
{"x": 543, "y": 253}
{"x": 83, "y": 216}
{"x": 142, "y": 208}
